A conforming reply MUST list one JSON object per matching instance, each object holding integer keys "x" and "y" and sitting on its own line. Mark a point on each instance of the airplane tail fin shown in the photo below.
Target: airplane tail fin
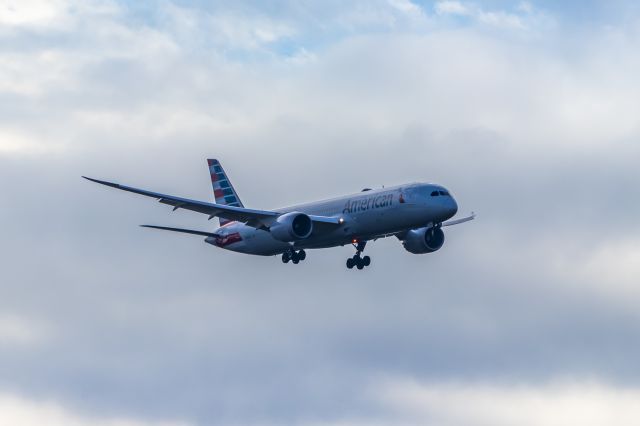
{"x": 223, "y": 191}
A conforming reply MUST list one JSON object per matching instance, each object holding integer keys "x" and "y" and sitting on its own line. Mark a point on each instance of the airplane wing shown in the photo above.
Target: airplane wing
{"x": 184, "y": 231}
{"x": 458, "y": 221}
{"x": 239, "y": 214}
{"x": 252, "y": 217}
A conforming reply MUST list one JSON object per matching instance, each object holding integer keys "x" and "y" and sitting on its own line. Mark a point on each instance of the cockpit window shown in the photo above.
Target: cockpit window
{"x": 434, "y": 194}
{"x": 444, "y": 193}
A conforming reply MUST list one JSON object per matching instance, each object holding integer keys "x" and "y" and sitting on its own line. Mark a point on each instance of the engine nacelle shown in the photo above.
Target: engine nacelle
{"x": 424, "y": 240}
{"x": 292, "y": 226}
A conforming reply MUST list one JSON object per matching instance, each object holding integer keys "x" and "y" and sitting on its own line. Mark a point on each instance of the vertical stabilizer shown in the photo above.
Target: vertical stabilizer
{"x": 223, "y": 191}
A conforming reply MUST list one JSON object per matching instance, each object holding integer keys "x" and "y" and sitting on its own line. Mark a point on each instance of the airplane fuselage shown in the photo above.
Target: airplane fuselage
{"x": 366, "y": 215}
{"x": 415, "y": 213}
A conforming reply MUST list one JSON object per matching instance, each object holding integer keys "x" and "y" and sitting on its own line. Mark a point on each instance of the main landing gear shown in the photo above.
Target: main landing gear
{"x": 357, "y": 260}
{"x": 294, "y": 256}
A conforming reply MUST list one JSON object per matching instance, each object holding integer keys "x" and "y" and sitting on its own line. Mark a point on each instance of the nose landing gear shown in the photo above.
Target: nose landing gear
{"x": 294, "y": 256}
{"x": 357, "y": 260}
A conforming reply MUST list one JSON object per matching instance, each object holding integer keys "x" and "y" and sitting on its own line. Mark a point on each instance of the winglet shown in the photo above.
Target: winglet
{"x": 102, "y": 182}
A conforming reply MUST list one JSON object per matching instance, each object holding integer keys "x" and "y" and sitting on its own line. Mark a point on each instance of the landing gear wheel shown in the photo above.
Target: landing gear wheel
{"x": 294, "y": 256}
{"x": 357, "y": 260}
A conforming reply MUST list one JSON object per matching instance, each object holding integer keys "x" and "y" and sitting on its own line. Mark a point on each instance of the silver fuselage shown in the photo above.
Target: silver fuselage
{"x": 367, "y": 215}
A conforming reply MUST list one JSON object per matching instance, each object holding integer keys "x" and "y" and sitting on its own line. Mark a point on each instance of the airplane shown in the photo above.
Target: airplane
{"x": 414, "y": 213}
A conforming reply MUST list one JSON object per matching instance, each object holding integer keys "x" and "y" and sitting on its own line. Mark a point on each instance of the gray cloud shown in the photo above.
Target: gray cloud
{"x": 147, "y": 325}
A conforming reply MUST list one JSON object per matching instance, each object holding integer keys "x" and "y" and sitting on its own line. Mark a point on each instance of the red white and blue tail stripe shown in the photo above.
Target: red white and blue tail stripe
{"x": 223, "y": 191}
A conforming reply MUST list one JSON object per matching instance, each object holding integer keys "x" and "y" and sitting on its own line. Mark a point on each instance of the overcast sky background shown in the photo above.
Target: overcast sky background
{"x": 527, "y": 111}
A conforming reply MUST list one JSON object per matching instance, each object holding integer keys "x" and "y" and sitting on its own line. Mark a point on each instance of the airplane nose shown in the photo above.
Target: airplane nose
{"x": 452, "y": 207}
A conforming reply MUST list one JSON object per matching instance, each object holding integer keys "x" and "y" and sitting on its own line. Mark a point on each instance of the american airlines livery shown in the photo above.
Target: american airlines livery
{"x": 414, "y": 213}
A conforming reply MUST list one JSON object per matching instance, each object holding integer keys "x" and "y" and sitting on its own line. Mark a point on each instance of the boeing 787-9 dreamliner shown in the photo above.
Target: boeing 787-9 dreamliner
{"x": 414, "y": 213}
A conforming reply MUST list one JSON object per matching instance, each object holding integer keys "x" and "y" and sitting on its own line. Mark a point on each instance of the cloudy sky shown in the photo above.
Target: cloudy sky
{"x": 528, "y": 112}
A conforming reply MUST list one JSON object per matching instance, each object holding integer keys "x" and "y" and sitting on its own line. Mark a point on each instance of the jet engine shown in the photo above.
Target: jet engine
{"x": 291, "y": 227}
{"x": 423, "y": 240}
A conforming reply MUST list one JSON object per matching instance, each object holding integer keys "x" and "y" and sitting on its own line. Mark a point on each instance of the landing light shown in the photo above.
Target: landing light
{"x": 341, "y": 220}
{"x": 354, "y": 241}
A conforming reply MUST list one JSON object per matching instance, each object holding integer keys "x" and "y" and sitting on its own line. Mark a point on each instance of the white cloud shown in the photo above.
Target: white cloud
{"x": 32, "y": 12}
{"x": 248, "y": 33}
{"x": 525, "y": 7}
{"x": 524, "y": 17}
{"x": 501, "y": 19}
{"x": 451, "y": 7}
{"x": 18, "y": 411}
{"x": 412, "y": 403}
{"x": 34, "y": 74}
{"x": 58, "y": 15}
{"x": 478, "y": 404}
{"x": 610, "y": 269}
{"x": 21, "y": 331}
{"x": 406, "y": 6}
{"x": 303, "y": 56}
{"x": 227, "y": 29}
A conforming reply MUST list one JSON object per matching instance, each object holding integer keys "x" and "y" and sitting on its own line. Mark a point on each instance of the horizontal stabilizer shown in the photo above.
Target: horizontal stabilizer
{"x": 459, "y": 221}
{"x": 184, "y": 231}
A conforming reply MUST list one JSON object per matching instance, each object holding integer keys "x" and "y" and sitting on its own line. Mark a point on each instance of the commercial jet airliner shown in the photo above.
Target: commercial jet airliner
{"x": 414, "y": 213}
